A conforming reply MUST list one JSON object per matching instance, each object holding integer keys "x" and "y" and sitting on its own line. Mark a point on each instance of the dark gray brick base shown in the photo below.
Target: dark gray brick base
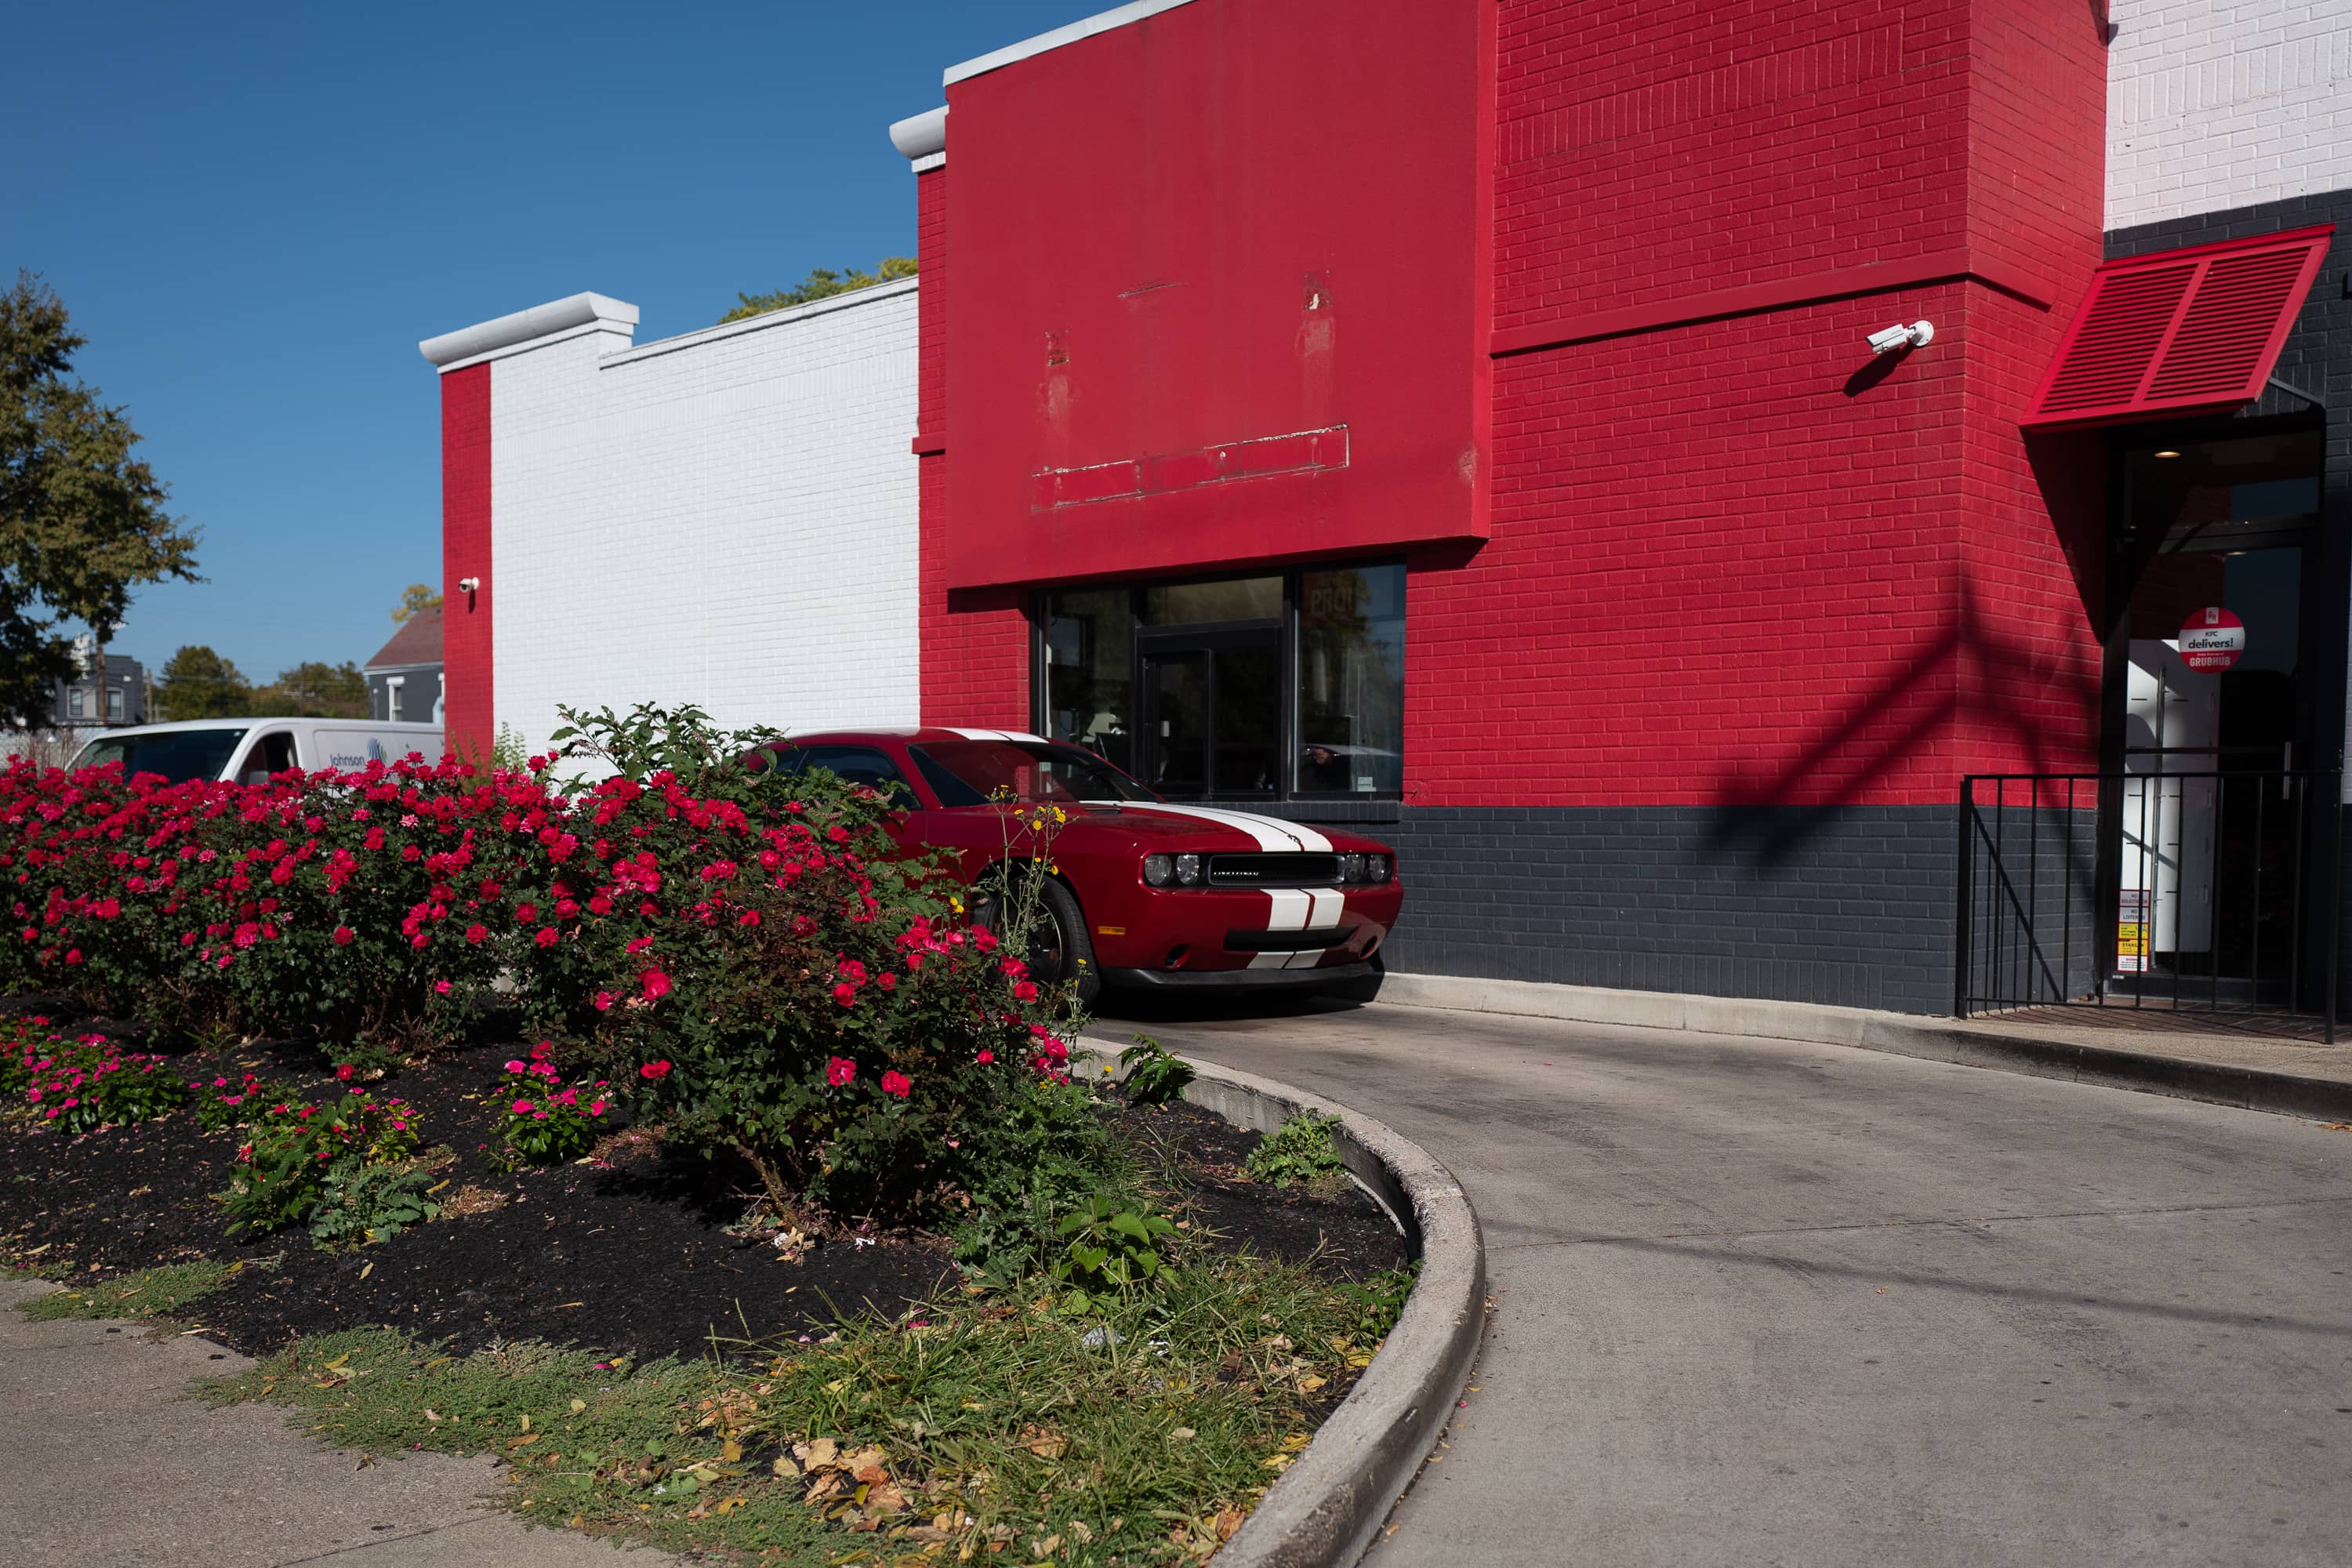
{"x": 1847, "y": 905}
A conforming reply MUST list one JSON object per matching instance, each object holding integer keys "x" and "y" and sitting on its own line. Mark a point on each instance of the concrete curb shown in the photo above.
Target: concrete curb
{"x": 1325, "y": 1509}
{"x": 2149, "y": 1072}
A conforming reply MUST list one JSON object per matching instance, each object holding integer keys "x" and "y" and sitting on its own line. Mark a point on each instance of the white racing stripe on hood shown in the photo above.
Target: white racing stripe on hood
{"x": 1000, "y": 735}
{"x": 1271, "y": 833}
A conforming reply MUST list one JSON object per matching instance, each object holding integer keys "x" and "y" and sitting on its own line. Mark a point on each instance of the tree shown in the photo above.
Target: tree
{"x": 822, "y": 282}
{"x": 200, "y": 684}
{"x": 415, "y": 598}
{"x": 81, "y": 521}
{"x": 314, "y": 691}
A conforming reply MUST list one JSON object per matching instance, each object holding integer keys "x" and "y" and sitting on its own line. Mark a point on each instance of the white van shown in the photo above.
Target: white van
{"x": 251, "y": 750}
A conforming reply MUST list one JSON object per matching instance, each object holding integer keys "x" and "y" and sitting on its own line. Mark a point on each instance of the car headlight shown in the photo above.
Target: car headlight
{"x": 1351, "y": 867}
{"x": 1188, "y": 870}
{"x": 1158, "y": 870}
{"x": 1377, "y": 868}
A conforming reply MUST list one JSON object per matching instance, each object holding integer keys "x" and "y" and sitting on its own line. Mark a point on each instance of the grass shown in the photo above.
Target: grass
{"x": 988, "y": 1428}
{"x": 148, "y": 1293}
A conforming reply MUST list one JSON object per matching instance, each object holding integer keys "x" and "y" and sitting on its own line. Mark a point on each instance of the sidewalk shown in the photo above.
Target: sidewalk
{"x": 109, "y": 1467}
{"x": 2204, "y": 1059}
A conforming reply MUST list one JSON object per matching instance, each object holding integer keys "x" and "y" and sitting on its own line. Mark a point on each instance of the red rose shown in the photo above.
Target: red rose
{"x": 344, "y": 935}
{"x": 656, "y": 984}
{"x": 839, "y": 1071}
{"x": 897, "y": 1083}
{"x": 655, "y": 1071}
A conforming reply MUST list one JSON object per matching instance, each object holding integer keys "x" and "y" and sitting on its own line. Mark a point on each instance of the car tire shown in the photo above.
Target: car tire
{"x": 1060, "y": 949}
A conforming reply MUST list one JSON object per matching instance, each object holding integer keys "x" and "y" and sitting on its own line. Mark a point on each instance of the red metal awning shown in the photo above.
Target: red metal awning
{"x": 2180, "y": 331}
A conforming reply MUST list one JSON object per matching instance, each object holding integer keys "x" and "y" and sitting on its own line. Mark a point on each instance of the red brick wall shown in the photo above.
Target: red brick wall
{"x": 469, "y": 725}
{"x": 1739, "y": 562}
{"x": 974, "y": 648}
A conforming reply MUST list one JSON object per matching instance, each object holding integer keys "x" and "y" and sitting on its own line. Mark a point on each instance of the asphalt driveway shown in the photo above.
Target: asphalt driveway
{"x": 1758, "y": 1302}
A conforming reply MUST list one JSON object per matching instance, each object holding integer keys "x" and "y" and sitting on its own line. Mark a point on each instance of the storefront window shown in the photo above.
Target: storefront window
{"x": 1200, "y": 604}
{"x": 1089, "y": 671}
{"x": 1247, "y": 690}
{"x": 1351, "y": 682}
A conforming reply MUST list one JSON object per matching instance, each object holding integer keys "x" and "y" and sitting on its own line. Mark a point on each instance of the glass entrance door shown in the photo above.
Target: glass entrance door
{"x": 1212, "y": 715}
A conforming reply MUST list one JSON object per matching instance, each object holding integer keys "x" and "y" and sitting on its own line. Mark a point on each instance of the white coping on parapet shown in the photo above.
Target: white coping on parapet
{"x": 920, "y": 136}
{"x": 844, "y": 300}
{"x": 1085, "y": 27}
{"x": 567, "y": 317}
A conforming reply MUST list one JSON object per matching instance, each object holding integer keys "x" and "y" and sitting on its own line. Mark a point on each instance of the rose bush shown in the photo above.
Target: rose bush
{"x": 541, "y": 1119}
{"x": 746, "y": 953}
{"x": 76, "y": 1085}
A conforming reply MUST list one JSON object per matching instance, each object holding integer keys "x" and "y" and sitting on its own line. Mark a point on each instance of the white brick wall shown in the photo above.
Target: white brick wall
{"x": 2225, "y": 103}
{"x": 727, "y": 518}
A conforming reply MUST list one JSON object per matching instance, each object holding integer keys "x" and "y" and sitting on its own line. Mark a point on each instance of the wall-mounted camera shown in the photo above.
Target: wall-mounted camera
{"x": 1900, "y": 337}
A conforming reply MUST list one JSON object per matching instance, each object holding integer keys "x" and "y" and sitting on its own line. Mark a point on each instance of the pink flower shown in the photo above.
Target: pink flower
{"x": 897, "y": 1083}
{"x": 441, "y": 986}
{"x": 656, "y": 984}
{"x": 604, "y": 1000}
{"x": 985, "y": 1058}
{"x": 344, "y": 935}
{"x": 522, "y": 1107}
{"x": 595, "y": 1108}
{"x": 514, "y": 1066}
{"x": 839, "y": 1071}
{"x": 653, "y": 1071}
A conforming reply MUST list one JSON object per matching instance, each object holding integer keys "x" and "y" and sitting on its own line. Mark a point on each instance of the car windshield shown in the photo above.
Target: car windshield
{"x": 969, "y": 772}
{"x": 178, "y": 754}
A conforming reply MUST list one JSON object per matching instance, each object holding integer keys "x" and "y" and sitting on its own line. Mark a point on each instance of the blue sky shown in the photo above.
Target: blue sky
{"x": 254, "y": 213}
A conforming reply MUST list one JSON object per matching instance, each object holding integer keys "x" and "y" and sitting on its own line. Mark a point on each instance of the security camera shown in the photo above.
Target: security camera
{"x": 1900, "y": 337}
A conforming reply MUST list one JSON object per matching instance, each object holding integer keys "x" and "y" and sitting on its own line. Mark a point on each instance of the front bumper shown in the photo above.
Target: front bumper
{"x": 1239, "y": 979}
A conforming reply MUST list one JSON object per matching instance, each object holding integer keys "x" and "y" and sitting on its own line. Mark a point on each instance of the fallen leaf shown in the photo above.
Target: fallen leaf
{"x": 338, "y": 1360}
{"x": 1229, "y": 1521}
{"x": 886, "y": 1497}
{"x": 526, "y": 1423}
{"x": 827, "y": 1485}
{"x": 1181, "y": 1434}
{"x": 816, "y": 1456}
{"x": 864, "y": 1461}
{"x": 1309, "y": 1384}
{"x": 366, "y": 1270}
{"x": 1045, "y": 1548}
{"x": 731, "y": 1451}
{"x": 578, "y": 1406}
{"x": 785, "y": 1468}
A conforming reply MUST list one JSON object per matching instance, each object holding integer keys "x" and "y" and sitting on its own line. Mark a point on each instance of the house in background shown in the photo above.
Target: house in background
{"x": 111, "y": 690}
{"x": 403, "y": 678}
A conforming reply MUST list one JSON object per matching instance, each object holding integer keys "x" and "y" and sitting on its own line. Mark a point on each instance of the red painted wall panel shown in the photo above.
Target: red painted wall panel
{"x": 469, "y": 721}
{"x": 1743, "y": 562}
{"x": 975, "y": 645}
{"x": 1229, "y": 223}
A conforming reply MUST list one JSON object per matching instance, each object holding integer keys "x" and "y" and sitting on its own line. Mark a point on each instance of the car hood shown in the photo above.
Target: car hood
{"x": 1154, "y": 826}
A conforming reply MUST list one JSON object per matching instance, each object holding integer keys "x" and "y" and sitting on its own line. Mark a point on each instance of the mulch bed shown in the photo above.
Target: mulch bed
{"x": 631, "y": 1255}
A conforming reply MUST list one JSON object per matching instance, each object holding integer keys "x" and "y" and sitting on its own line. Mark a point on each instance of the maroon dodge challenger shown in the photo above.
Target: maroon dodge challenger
{"x": 1148, "y": 893}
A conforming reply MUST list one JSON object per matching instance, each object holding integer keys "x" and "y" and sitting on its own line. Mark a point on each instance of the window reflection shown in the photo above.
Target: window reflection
{"x": 1089, "y": 648}
{"x": 1234, "y": 599}
{"x": 1351, "y": 682}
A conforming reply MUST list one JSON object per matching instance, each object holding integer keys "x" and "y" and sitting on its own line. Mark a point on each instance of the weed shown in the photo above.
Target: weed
{"x": 360, "y": 1203}
{"x": 1111, "y": 1249}
{"x": 1154, "y": 1077}
{"x": 978, "y": 1428}
{"x": 148, "y": 1293}
{"x": 1300, "y": 1149}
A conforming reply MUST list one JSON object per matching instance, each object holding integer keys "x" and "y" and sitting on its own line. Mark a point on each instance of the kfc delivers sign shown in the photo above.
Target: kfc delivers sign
{"x": 2213, "y": 640}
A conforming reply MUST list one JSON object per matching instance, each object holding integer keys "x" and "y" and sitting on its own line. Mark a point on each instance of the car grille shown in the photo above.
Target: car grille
{"x": 1275, "y": 870}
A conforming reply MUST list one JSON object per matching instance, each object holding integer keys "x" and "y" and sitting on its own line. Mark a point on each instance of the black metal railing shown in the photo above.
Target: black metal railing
{"x": 2205, "y": 891}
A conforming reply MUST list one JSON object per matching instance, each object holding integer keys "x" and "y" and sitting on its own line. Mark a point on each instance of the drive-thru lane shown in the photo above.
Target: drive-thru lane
{"x": 1758, "y": 1302}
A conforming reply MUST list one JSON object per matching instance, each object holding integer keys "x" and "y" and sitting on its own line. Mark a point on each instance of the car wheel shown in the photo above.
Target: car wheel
{"x": 1059, "y": 949}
